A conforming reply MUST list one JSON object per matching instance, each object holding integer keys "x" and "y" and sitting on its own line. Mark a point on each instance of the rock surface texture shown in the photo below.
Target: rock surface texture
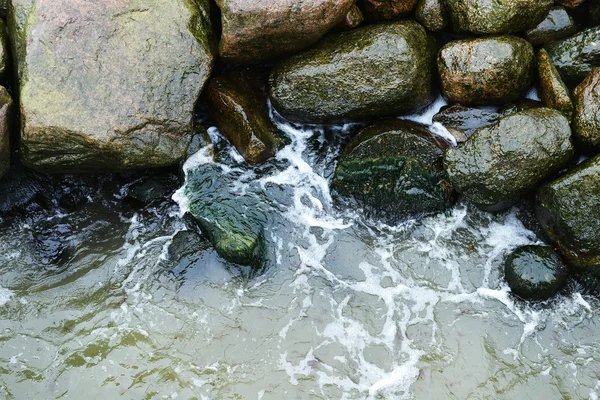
{"x": 586, "y": 122}
{"x": 6, "y": 116}
{"x": 108, "y": 85}
{"x": 553, "y": 91}
{"x": 575, "y": 57}
{"x": 558, "y": 24}
{"x": 387, "y": 9}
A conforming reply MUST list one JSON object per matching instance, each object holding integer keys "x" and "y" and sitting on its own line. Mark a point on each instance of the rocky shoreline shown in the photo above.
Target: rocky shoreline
{"x": 113, "y": 87}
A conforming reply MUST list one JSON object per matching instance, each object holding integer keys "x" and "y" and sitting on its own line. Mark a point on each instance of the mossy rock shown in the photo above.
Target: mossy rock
{"x": 119, "y": 97}
{"x": 432, "y": 14}
{"x": 586, "y": 122}
{"x": 6, "y": 123}
{"x": 377, "y": 10}
{"x": 535, "y": 272}
{"x": 393, "y": 169}
{"x": 485, "y": 71}
{"x": 369, "y": 72}
{"x": 558, "y": 24}
{"x": 569, "y": 211}
{"x": 492, "y": 16}
{"x": 462, "y": 122}
{"x": 503, "y": 161}
{"x": 553, "y": 91}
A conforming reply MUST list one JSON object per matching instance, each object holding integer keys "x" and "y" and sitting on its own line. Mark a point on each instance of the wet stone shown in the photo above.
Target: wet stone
{"x": 353, "y": 19}
{"x": 558, "y": 24}
{"x": 553, "y": 91}
{"x": 387, "y": 9}
{"x": 586, "y": 121}
{"x": 462, "y": 122}
{"x": 6, "y": 123}
{"x": 432, "y": 14}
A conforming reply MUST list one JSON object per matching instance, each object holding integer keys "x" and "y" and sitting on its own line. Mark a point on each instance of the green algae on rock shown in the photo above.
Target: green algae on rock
{"x": 492, "y": 16}
{"x": 553, "y": 91}
{"x": 369, "y": 72}
{"x": 586, "y": 121}
{"x": 535, "y": 272}
{"x": 462, "y": 122}
{"x": 386, "y": 9}
{"x": 265, "y": 29}
{"x": 575, "y": 57}
{"x": 558, "y": 24}
{"x": 569, "y": 211}
{"x": 6, "y": 122}
{"x": 432, "y": 14}
{"x": 394, "y": 170}
{"x": 238, "y": 104}
{"x": 502, "y": 161}
{"x": 485, "y": 71}
{"x": 122, "y": 95}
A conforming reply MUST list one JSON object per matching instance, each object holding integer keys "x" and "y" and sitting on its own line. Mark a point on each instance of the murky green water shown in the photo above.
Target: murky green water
{"x": 94, "y": 305}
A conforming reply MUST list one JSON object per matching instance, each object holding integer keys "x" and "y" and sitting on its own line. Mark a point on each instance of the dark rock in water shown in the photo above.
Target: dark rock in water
{"x": 491, "y": 16}
{"x": 394, "y": 169}
{"x": 18, "y": 188}
{"x": 239, "y": 106}
{"x": 535, "y": 272}
{"x": 486, "y": 70}
{"x": 369, "y": 72}
{"x": 558, "y": 24}
{"x": 6, "y": 122}
{"x": 185, "y": 243}
{"x": 353, "y": 19}
{"x": 502, "y": 161}
{"x": 575, "y": 57}
{"x": 586, "y": 122}
{"x": 233, "y": 223}
{"x": 432, "y": 14}
{"x": 264, "y": 29}
{"x": 553, "y": 91}
{"x": 122, "y": 95}
{"x": 387, "y": 9}
{"x": 569, "y": 210}
{"x": 151, "y": 190}
{"x": 588, "y": 284}
{"x": 462, "y": 122}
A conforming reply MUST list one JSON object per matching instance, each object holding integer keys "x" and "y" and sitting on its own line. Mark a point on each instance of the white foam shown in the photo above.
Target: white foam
{"x": 6, "y": 295}
{"x": 426, "y": 116}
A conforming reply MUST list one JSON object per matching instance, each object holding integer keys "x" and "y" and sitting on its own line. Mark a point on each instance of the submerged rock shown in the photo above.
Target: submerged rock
{"x": 569, "y": 211}
{"x": 120, "y": 96}
{"x": 264, "y": 29}
{"x": 586, "y": 122}
{"x": 369, "y": 72}
{"x": 6, "y": 115}
{"x": 502, "y": 161}
{"x": 394, "y": 169}
{"x": 490, "y": 16}
{"x": 185, "y": 244}
{"x": 462, "y": 122}
{"x": 535, "y": 272}
{"x": 553, "y": 91}
{"x": 486, "y": 70}
{"x": 432, "y": 14}
{"x": 558, "y": 24}
{"x": 239, "y": 106}
{"x": 387, "y": 9}
{"x": 18, "y": 188}
{"x": 576, "y": 56}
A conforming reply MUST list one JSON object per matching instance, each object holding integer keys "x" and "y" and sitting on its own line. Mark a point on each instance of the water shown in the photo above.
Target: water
{"x": 345, "y": 308}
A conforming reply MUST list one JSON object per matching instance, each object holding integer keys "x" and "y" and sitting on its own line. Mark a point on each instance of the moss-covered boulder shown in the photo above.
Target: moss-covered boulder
{"x": 535, "y": 272}
{"x": 553, "y": 91}
{"x": 462, "y": 122}
{"x": 432, "y": 14}
{"x": 575, "y": 57}
{"x": 261, "y": 30}
{"x": 586, "y": 121}
{"x": 558, "y": 24}
{"x": 492, "y": 16}
{"x": 502, "y": 161}
{"x": 386, "y": 9}
{"x": 486, "y": 70}
{"x": 569, "y": 211}
{"x": 393, "y": 169}
{"x": 6, "y": 122}
{"x": 108, "y": 85}
{"x": 369, "y": 72}
{"x": 238, "y": 104}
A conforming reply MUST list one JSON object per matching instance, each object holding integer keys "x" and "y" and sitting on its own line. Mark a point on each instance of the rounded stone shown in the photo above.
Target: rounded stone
{"x": 586, "y": 121}
{"x": 553, "y": 91}
{"x": 558, "y": 24}
{"x": 432, "y": 14}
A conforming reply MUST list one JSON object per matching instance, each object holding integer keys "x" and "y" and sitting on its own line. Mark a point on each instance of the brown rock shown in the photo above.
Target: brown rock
{"x": 570, "y": 3}
{"x": 387, "y": 9}
{"x": 586, "y": 122}
{"x": 353, "y": 19}
{"x": 553, "y": 91}
{"x": 432, "y": 14}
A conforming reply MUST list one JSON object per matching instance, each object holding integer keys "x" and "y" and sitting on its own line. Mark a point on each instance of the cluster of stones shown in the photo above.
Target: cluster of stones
{"x": 111, "y": 86}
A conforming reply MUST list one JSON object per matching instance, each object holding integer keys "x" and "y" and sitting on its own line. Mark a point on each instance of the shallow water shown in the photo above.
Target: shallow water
{"x": 345, "y": 307}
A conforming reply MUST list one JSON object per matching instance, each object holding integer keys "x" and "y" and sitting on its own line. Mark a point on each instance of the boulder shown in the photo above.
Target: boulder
{"x": 491, "y": 16}
{"x": 369, "y": 72}
{"x": 387, "y": 9}
{"x": 432, "y": 14}
{"x": 575, "y": 57}
{"x": 393, "y": 169}
{"x": 586, "y": 121}
{"x": 238, "y": 104}
{"x": 553, "y": 91}
{"x": 486, "y": 71}
{"x": 265, "y": 29}
{"x": 558, "y": 24}
{"x": 535, "y": 272}
{"x": 502, "y": 161}
{"x": 108, "y": 85}
{"x": 569, "y": 211}
{"x": 6, "y": 122}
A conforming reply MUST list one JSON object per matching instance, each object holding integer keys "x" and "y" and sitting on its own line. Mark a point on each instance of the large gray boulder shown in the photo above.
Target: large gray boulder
{"x": 108, "y": 85}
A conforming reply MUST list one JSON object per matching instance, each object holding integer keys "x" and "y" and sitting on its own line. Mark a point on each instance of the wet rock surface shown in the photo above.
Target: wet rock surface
{"x": 462, "y": 122}
{"x": 264, "y": 29}
{"x": 569, "y": 211}
{"x": 432, "y": 14}
{"x": 387, "y": 9}
{"x": 6, "y": 123}
{"x": 485, "y": 70}
{"x": 502, "y": 161}
{"x": 119, "y": 97}
{"x": 558, "y": 24}
{"x": 586, "y": 121}
{"x": 575, "y": 57}
{"x": 553, "y": 91}
{"x": 353, "y": 19}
